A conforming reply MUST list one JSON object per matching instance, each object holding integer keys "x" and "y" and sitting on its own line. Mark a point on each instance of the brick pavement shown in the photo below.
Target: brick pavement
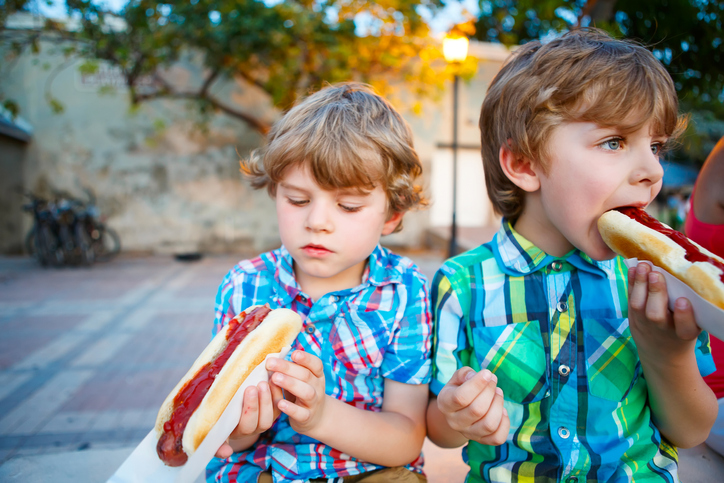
{"x": 82, "y": 373}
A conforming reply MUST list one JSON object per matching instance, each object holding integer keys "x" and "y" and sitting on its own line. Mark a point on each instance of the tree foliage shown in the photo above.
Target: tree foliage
{"x": 686, "y": 35}
{"x": 284, "y": 48}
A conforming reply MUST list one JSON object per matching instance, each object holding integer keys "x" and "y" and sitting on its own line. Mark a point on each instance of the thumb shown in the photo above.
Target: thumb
{"x": 461, "y": 375}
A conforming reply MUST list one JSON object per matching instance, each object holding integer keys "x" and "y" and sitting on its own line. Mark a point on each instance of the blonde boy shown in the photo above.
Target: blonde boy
{"x": 551, "y": 360}
{"x": 340, "y": 166}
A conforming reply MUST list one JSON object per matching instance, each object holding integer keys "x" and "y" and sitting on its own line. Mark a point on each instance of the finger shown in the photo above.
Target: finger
{"x": 639, "y": 290}
{"x": 293, "y": 369}
{"x": 491, "y": 423}
{"x": 310, "y": 361}
{"x": 300, "y": 389}
{"x": 479, "y": 408}
{"x": 249, "y": 412}
{"x": 224, "y": 451}
{"x": 684, "y": 320}
{"x": 266, "y": 407}
{"x": 657, "y": 300}
{"x": 462, "y": 396}
{"x": 295, "y": 411}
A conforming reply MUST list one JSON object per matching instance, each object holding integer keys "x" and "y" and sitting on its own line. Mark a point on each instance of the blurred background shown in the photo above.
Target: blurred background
{"x": 143, "y": 109}
{"x": 122, "y": 124}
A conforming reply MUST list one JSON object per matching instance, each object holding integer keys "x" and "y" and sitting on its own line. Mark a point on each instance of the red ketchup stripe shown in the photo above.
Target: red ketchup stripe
{"x": 693, "y": 253}
{"x": 170, "y": 445}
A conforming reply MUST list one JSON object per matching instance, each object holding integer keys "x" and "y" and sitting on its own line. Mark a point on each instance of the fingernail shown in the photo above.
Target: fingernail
{"x": 653, "y": 277}
{"x": 278, "y": 377}
{"x": 493, "y": 377}
{"x": 682, "y": 303}
{"x": 505, "y": 412}
{"x": 487, "y": 375}
{"x": 469, "y": 375}
{"x": 641, "y": 268}
{"x": 498, "y": 391}
{"x": 271, "y": 363}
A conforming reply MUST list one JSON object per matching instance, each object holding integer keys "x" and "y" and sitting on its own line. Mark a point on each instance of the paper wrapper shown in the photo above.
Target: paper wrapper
{"x": 708, "y": 316}
{"x": 143, "y": 465}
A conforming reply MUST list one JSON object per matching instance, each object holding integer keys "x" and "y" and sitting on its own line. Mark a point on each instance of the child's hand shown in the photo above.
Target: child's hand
{"x": 654, "y": 327}
{"x": 258, "y": 413}
{"x": 304, "y": 381}
{"x": 473, "y": 406}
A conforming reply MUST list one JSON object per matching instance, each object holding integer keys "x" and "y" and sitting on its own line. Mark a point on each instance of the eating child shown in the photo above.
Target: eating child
{"x": 341, "y": 167}
{"x": 551, "y": 360}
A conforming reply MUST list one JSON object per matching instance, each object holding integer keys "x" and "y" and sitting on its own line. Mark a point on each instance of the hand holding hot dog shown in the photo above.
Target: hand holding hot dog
{"x": 473, "y": 406}
{"x": 657, "y": 330}
{"x": 258, "y": 413}
{"x": 303, "y": 383}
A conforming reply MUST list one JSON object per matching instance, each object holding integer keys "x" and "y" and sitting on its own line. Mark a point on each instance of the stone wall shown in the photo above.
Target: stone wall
{"x": 164, "y": 183}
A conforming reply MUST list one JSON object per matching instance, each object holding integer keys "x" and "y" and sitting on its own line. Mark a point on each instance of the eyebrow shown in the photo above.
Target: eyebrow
{"x": 292, "y": 187}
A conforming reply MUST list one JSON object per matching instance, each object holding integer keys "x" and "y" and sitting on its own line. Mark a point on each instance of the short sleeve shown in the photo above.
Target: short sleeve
{"x": 450, "y": 349}
{"x": 407, "y": 358}
{"x": 223, "y": 306}
{"x": 704, "y": 358}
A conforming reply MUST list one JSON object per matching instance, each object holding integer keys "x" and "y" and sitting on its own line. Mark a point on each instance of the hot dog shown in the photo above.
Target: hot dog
{"x": 633, "y": 233}
{"x": 201, "y": 396}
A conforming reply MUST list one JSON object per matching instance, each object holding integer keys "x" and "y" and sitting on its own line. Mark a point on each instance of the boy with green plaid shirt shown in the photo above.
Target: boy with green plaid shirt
{"x": 552, "y": 361}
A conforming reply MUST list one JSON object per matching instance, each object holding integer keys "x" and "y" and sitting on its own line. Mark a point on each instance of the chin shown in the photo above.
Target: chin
{"x": 601, "y": 254}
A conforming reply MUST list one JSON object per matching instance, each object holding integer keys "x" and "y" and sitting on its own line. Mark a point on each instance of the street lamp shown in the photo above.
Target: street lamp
{"x": 455, "y": 50}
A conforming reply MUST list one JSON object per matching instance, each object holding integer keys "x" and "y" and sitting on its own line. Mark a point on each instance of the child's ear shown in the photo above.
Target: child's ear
{"x": 519, "y": 170}
{"x": 392, "y": 223}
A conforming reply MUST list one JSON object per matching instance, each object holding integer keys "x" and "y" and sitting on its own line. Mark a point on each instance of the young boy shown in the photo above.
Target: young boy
{"x": 546, "y": 361}
{"x": 340, "y": 166}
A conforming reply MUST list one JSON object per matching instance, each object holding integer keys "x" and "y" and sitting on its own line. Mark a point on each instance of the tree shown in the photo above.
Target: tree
{"x": 686, "y": 35}
{"x": 285, "y": 48}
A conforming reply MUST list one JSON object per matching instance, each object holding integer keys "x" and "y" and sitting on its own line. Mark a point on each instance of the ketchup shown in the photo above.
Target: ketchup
{"x": 170, "y": 445}
{"x": 693, "y": 253}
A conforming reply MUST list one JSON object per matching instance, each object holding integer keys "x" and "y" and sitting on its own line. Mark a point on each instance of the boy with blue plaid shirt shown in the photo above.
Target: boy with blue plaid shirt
{"x": 551, "y": 360}
{"x": 340, "y": 166}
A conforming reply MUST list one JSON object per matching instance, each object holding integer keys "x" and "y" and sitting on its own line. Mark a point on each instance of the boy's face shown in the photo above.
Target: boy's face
{"x": 330, "y": 234}
{"x": 591, "y": 170}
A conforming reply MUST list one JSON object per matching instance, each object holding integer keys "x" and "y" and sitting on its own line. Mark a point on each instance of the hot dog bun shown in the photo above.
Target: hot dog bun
{"x": 633, "y": 239}
{"x": 278, "y": 330}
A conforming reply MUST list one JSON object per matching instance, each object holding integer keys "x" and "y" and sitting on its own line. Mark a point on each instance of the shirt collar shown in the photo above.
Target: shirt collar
{"x": 381, "y": 270}
{"x": 517, "y": 256}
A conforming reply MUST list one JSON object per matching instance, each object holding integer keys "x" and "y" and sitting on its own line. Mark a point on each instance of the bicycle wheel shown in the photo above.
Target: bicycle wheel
{"x": 84, "y": 245}
{"x": 47, "y": 249}
{"x": 107, "y": 244}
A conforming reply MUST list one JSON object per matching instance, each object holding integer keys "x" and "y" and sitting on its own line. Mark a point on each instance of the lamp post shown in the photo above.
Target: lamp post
{"x": 455, "y": 50}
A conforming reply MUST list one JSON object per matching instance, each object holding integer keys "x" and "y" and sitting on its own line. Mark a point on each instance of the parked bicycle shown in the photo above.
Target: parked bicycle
{"x": 68, "y": 231}
{"x": 42, "y": 239}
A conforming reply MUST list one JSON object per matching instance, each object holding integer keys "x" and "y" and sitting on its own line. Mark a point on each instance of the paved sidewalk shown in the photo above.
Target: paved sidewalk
{"x": 87, "y": 355}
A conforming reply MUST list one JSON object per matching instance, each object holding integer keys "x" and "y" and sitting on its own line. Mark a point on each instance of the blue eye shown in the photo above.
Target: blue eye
{"x": 656, "y": 148}
{"x": 612, "y": 144}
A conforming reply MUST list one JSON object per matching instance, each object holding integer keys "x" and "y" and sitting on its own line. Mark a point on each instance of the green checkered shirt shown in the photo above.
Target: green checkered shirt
{"x": 555, "y": 333}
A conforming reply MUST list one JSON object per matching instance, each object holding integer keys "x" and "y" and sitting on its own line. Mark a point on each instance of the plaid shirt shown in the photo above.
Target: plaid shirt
{"x": 379, "y": 330}
{"x": 555, "y": 332}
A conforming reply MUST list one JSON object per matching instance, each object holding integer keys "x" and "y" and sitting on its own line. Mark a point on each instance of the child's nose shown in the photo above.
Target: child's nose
{"x": 318, "y": 218}
{"x": 649, "y": 169}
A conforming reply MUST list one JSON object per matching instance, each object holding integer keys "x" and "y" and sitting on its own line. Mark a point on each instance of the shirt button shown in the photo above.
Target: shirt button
{"x": 562, "y": 307}
{"x": 310, "y": 329}
{"x": 556, "y": 266}
{"x": 563, "y": 432}
{"x": 564, "y": 370}
{"x": 572, "y": 479}
{"x": 332, "y": 298}
{"x": 303, "y": 298}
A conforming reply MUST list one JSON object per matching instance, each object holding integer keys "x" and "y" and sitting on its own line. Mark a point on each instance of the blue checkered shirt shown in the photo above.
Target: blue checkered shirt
{"x": 379, "y": 330}
{"x": 555, "y": 333}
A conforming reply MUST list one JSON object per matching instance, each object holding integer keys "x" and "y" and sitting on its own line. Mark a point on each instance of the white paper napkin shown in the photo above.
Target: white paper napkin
{"x": 143, "y": 465}
{"x": 708, "y": 316}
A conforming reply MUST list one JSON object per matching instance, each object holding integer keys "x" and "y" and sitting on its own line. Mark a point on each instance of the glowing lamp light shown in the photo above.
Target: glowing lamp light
{"x": 455, "y": 49}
